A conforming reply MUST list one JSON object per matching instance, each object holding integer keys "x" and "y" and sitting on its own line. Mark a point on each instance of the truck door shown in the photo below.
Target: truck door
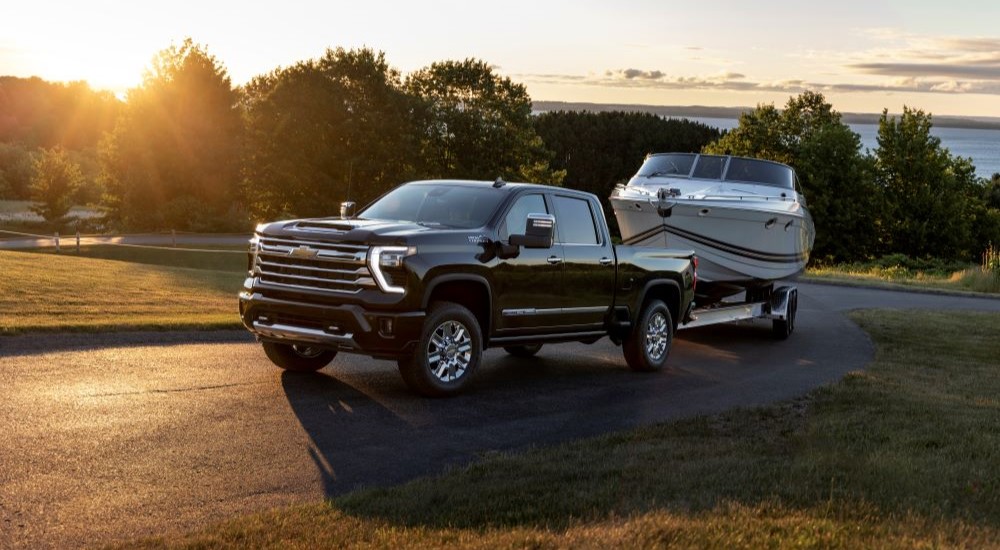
{"x": 589, "y": 262}
{"x": 528, "y": 286}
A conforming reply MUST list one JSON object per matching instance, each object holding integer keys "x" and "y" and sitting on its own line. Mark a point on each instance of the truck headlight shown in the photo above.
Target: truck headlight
{"x": 252, "y": 254}
{"x": 386, "y": 264}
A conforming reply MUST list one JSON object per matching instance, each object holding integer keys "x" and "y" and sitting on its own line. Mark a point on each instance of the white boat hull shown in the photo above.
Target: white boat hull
{"x": 738, "y": 241}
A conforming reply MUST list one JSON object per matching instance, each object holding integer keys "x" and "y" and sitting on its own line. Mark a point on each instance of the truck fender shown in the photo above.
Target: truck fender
{"x": 649, "y": 287}
{"x": 456, "y": 277}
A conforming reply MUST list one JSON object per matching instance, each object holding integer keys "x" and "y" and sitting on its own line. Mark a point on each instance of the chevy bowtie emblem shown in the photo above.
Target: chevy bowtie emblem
{"x": 303, "y": 252}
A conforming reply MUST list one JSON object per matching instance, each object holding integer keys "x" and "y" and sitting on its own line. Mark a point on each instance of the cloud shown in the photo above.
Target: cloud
{"x": 898, "y": 62}
{"x": 737, "y": 82}
{"x": 981, "y": 70}
{"x": 631, "y": 74}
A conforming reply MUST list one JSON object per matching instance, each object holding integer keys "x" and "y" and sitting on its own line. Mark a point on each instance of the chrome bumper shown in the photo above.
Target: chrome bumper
{"x": 302, "y": 334}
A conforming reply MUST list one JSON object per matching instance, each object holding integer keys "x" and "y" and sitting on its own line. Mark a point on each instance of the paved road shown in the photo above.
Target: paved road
{"x": 68, "y": 242}
{"x": 109, "y": 437}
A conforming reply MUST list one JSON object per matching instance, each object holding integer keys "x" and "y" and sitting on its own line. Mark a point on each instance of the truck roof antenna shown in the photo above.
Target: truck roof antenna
{"x": 499, "y": 183}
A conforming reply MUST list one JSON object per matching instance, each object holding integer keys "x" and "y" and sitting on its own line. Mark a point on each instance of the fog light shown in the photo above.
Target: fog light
{"x": 385, "y": 326}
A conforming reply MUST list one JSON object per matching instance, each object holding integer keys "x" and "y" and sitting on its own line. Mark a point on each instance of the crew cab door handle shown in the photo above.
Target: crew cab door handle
{"x": 554, "y": 260}
{"x": 605, "y": 261}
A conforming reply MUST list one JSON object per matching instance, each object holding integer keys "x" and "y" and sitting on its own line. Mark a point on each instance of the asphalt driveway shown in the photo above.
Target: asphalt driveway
{"x": 108, "y": 437}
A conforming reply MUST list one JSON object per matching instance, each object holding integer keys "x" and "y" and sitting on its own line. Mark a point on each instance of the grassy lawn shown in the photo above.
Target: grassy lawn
{"x": 904, "y": 454}
{"x": 226, "y": 260}
{"x": 49, "y": 292}
{"x": 963, "y": 279}
{"x": 929, "y": 273}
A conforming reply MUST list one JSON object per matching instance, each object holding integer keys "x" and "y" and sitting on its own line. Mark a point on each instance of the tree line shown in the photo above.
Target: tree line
{"x": 188, "y": 150}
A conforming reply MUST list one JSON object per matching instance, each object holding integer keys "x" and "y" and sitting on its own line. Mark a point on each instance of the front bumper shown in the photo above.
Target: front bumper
{"x": 346, "y": 327}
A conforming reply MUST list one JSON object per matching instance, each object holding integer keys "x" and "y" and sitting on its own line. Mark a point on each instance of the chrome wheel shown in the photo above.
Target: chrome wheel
{"x": 449, "y": 351}
{"x": 657, "y": 336}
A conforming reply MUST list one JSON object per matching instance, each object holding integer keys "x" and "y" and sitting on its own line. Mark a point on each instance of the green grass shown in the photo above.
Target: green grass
{"x": 49, "y": 292}
{"x": 225, "y": 260}
{"x": 899, "y": 270}
{"x": 904, "y": 454}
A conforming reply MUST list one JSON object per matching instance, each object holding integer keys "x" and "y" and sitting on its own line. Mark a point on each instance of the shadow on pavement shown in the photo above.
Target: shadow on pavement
{"x": 41, "y": 343}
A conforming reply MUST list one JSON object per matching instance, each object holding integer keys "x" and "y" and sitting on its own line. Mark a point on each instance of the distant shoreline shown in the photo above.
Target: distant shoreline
{"x": 699, "y": 111}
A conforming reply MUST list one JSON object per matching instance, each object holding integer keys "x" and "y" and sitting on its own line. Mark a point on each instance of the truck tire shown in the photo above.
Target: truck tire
{"x": 523, "y": 351}
{"x": 298, "y": 357}
{"x": 781, "y": 329}
{"x": 648, "y": 345}
{"x": 448, "y": 352}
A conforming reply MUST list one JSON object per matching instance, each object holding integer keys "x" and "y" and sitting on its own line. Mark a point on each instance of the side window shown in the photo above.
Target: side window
{"x": 575, "y": 221}
{"x": 517, "y": 218}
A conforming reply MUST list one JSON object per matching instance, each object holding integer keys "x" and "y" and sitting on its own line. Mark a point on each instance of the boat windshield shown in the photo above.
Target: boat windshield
{"x": 717, "y": 167}
{"x": 760, "y": 172}
{"x": 671, "y": 164}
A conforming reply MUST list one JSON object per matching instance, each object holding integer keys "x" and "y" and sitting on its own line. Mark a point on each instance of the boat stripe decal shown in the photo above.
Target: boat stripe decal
{"x": 644, "y": 235}
{"x": 718, "y": 245}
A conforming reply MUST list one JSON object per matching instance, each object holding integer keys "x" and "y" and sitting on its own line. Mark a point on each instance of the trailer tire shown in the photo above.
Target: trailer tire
{"x": 648, "y": 345}
{"x": 781, "y": 329}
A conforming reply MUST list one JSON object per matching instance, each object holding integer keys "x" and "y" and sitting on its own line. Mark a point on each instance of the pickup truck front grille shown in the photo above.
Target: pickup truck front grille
{"x": 311, "y": 265}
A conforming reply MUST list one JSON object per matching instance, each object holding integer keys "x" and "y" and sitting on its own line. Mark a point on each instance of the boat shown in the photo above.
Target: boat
{"x": 745, "y": 218}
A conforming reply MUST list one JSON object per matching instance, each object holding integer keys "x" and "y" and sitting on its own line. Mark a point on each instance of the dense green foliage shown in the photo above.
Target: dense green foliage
{"x": 173, "y": 158}
{"x": 188, "y": 151}
{"x": 16, "y": 170}
{"x": 599, "y": 150}
{"x": 54, "y": 185}
{"x": 324, "y": 131}
{"x": 933, "y": 200}
{"x": 347, "y": 127}
{"x": 37, "y": 113}
{"x": 477, "y": 125}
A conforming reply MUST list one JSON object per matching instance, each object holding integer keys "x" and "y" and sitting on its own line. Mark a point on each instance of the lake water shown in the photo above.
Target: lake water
{"x": 983, "y": 146}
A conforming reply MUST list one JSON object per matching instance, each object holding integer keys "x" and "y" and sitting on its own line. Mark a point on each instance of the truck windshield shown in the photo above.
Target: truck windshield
{"x": 455, "y": 206}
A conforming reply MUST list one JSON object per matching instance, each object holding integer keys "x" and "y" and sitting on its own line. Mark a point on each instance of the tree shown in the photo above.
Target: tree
{"x": 991, "y": 192}
{"x": 759, "y": 133}
{"x": 178, "y": 140}
{"x": 55, "y": 181}
{"x": 37, "y": 113}
{"x": 477, "y": 124}
{"x": 599, "y": 150}
{"x": 836, "y": 178}
{"x": 327, "y": 130}
{"x": 932, "y": 197}
{"x": 17, "y": 167}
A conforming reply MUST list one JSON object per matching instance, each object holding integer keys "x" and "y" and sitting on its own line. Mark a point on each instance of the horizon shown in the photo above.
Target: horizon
{"x": 862, "y": 56}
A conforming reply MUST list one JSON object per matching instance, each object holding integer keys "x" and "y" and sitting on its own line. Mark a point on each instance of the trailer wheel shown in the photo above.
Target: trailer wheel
{"x": 447, "y": 354}
{"x": 523, "y": 351}
{"x": 648, "y": 345}
{"x": 298, "y": 357}
{"x": 783, "y": 328}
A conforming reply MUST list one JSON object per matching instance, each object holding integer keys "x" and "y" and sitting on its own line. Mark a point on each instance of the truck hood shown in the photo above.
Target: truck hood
{"x": 346, "y": 231}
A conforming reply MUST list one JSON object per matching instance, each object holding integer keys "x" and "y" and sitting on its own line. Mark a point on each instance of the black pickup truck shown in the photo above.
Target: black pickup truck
{"x": 434, "y": 272}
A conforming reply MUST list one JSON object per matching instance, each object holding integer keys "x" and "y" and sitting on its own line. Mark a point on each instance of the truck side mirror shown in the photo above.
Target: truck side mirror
{"x": 346, "y": 209}
{"x": 538, "y": 233}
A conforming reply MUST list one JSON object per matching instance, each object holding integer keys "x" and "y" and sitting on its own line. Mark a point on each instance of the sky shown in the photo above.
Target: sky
{"x": 940, "y": 56}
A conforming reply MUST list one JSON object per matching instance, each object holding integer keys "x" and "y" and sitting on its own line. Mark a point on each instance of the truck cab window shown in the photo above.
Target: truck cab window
{"x": 517, "y": 218}
{"x": 575, "y": 221}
